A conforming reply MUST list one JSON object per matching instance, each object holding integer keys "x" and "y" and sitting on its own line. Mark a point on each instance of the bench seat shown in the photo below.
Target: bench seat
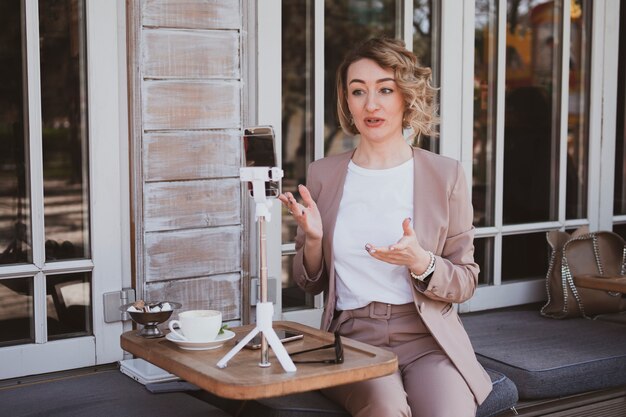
{"x": 548, "y": 358}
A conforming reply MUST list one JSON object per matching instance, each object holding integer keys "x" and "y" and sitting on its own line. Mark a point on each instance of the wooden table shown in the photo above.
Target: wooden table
{"x": 615, "y": 284}
{"x": 243, "y": 379}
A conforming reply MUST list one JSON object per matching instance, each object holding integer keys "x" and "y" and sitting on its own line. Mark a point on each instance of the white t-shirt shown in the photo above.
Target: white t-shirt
{"x": 372, "y": 208}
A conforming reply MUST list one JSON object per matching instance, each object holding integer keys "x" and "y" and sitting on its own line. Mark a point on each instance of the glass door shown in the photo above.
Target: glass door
{"x": 47, "y": 184}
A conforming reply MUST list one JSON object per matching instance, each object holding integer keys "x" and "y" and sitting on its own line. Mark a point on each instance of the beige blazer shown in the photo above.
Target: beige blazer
{"x": 443, "y": 224}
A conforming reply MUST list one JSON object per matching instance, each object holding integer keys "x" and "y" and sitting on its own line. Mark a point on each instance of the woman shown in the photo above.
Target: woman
{"x": 386, "y": 231}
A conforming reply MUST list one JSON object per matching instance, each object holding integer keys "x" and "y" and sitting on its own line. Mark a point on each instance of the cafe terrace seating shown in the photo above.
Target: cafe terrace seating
{"x": 107, "y": 392}
{"x": 573, "y": 367}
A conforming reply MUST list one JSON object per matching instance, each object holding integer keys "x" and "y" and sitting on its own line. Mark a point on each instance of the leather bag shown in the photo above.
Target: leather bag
{"x": 601, "y": 254}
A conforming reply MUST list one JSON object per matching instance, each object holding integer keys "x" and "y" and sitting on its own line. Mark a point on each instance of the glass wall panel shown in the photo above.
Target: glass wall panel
{"x": 347, "y": 23}
{"x": 64, "y": 126}
{"x": 297, "y": 123}
{"x": 17, "y": 324}
{"x": 293, "y": 296}
{"x": 425, "y": 38}
{"x": 69, "y": 305}
{"x": 14, "y": 185}
{"x": 425, "y": 33}
{"x": 524, "y": 256}
{"x": 297, "y": 100}
{"x": 531, "y": 111}
{"x": 620, "y": 229}
{"x": 483, "y": 255}
{"x": 619, "y": 199}
{"x": 578, "y": 110}
{"x": 484, "y": 143}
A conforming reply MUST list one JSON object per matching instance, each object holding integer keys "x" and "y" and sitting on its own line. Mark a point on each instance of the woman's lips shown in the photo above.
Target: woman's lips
{"x": 373, "y": 122}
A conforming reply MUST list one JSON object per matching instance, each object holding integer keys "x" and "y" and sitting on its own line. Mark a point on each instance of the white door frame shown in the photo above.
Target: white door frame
{"x": 110, "y": 216}
{"x": 606, "y": 43}
{"x": 109, "y": 166}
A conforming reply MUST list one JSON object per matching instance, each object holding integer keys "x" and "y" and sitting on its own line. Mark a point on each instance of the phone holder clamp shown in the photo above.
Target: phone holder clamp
{"x": 258, "y": 177}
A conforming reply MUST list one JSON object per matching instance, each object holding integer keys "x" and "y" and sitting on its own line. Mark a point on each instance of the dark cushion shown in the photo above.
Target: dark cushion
{"x": 314, "y": 404}
{"x": 501, "y": 398}
{"x": 100, "y": 394}
{"x": 545, "y": 357}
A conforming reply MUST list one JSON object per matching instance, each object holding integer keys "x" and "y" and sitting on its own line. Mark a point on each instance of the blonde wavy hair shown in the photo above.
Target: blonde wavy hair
{"x": 413, "y": 81}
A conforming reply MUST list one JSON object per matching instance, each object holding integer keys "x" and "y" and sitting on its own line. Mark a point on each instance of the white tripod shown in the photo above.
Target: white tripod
{"x": 258, "y": 176}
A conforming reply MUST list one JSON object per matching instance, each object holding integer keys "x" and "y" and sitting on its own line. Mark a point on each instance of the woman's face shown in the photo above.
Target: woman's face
{"x": 374, "y": 100}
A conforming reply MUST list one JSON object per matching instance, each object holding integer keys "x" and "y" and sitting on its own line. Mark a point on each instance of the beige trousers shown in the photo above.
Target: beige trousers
{"x": 426, "y": 384}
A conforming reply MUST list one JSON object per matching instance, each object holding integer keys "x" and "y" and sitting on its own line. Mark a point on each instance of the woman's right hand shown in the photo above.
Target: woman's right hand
{"x": 307, "y": 216}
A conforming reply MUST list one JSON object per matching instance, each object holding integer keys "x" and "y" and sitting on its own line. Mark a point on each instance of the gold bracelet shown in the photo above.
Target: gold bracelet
{"x": 429, "y": 270}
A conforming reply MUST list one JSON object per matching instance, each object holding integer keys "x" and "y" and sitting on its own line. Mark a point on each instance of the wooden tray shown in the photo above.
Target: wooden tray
{"x": 243, "y": 378}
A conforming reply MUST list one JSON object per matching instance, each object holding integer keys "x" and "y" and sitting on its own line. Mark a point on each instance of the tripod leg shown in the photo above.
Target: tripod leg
{"x": 224, "y": 361}
{"x": 279, "y": 350}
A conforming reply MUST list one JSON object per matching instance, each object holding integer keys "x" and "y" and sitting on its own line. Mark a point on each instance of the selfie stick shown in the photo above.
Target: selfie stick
{"x": 258, "y": 176}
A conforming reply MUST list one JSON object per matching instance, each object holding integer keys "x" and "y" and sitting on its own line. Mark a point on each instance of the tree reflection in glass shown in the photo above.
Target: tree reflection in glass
{"x": 14, "y": 188}
{"x": 578, "y": 110}
{"x": 531, "y": 125}
{"x": 347, "y": 23}
{"x": 64, "y": 128}
{"x": 484, "y": 141}
{"x": 619, "y": 198}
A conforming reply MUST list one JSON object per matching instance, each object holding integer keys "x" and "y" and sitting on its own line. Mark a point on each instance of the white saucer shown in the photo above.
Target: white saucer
{"x": 188, "y": 345}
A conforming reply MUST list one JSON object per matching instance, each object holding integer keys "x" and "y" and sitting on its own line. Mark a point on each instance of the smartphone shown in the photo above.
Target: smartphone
{"x": 284, "y": 336}
{"x": 260, "y": 151}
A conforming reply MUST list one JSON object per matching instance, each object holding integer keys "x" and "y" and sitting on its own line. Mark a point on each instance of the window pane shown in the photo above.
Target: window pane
{"x": 484, "y": 147}
{"x": 297, "y": 97}
{"x": 524, "y": 256}
{"x": 619, "y": 199}
{"x": 347, "y": 23}
{"x": 620, "y": 229}
{"x": 425, "y": 34}
{"x": 14, "y": 185}
{"x": 68, "y": 305}
{"x": 578, "y": 113}
{"x": 293, "y": 296}
{"x": 483, "y": 255}
{"x": 531, "y": 111}
{"x": 425, "y": 30}
{"x": 17, "y": 324}
{"x": 64, "y": 126}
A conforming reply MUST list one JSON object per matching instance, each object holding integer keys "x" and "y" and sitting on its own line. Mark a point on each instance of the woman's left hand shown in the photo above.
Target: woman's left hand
{"x": 406, "y": 251}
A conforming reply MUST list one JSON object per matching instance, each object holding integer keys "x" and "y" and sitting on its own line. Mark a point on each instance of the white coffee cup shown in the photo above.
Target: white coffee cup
{"x": 197, "y": 325}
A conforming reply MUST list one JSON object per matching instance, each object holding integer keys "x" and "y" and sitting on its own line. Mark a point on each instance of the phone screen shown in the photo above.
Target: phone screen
{"x": 259, "y": 151}
{"x": 283, "y": 335}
